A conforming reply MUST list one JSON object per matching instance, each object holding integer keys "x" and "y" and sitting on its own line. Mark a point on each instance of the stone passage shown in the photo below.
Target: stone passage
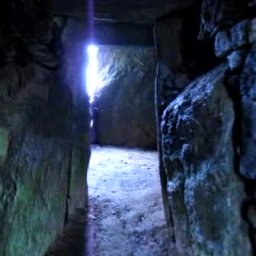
{"x": 127, "y": 216}
{"x": 128, "y": 76}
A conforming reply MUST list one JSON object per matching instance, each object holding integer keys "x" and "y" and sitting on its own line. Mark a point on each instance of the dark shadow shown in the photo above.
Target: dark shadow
{"x": 73, "y": 239}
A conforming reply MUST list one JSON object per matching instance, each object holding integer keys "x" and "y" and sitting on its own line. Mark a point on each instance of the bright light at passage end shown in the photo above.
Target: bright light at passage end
{"x": 92, "y": 79}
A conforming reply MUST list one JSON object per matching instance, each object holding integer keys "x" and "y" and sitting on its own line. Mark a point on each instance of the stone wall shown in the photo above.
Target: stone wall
{"x": 208, "y": 132}
{"x": 124, "y": 109}
{"x": 43, "y": 157}
{"x": 72, "y": 72}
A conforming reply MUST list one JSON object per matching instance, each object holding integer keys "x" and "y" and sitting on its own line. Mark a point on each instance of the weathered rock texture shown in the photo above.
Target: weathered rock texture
{"x": 248, "y": 140}
{"x": 208, "y": 128}
{"x": 40, "y": 156}
{"x": 124, "y": 108}
{"x": 229, "y": 40}
{"x": 204, "y": 193}
{"x": 235, "y": 40}
{"x": 72, "y": 72}
{"x": 178, "y": 64}
{"x": 169, "y": 81}
{"x": 237, "y": 44}
{"x": 219, "y": 14}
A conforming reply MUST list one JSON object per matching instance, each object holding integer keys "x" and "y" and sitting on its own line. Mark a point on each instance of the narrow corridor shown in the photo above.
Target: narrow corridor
{"x": 125, "y": 215}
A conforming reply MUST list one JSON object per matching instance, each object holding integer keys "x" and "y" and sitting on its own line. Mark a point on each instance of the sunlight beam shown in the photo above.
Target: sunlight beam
{"x": 92, "y": 78}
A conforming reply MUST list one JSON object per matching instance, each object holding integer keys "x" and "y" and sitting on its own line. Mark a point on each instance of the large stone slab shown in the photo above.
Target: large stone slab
{"x": 143, "y": 11}
{"x": 74, "y": 61}
{"x": 125, "y": 108}
{"x": 204, "y": 193}
{"x": 35, "y": 173}
{"x": 248, "y": 117}
{"x": 43, "y": 157}
{"x": 233, "y": 38}
{"x": 123, "y": 34}
{"x": 219, "y": 14}
{"x": 236, "y": 37}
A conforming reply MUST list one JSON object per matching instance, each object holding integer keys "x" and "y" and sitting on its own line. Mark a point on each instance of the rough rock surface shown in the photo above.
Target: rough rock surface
{"x": 37, "y": 138}
{"x": 169, "y": 81}
{"x": 236, "y": 59}
{"x": 252, "y": 35}
{"x": 124, "y": 109}
{"x": 238, "y": 36}
{"x": 178, "y": 64}
{"x": 248, "y": 104}
{"x": 72, "y": 72}
{"x": 232, "y": 39}
{"x": 219, "y": 14}
{"x": 204, "y": 193}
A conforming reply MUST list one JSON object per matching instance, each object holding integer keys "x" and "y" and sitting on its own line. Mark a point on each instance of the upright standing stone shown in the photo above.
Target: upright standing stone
{"x": 248, "y": 104}
{"x": 204, "y": 193}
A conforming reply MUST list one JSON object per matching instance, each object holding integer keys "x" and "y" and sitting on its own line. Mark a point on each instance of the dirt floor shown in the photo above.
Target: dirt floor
{"x": 125, "y": 215}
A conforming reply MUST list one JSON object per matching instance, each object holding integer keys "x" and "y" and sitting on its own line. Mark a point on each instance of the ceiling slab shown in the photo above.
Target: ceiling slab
{"x": 124, "y": 34}
{"x": 136, "y": 11}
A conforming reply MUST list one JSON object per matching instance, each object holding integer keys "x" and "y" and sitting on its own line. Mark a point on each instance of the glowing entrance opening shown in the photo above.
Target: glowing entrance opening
{"x": 92, "y": 78}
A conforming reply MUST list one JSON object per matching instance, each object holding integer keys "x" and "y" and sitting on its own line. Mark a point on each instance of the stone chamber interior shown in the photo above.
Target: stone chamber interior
{"x": 182, "y": 72}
